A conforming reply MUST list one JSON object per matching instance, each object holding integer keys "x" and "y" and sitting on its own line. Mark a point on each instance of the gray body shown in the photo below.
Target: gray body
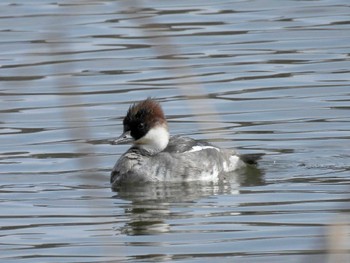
{"x": 184, "y": 159}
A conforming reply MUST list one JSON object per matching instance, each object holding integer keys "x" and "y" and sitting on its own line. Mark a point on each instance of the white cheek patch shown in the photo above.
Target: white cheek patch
{"x": 199, "y": 148}
{"x": 155, "y": 140}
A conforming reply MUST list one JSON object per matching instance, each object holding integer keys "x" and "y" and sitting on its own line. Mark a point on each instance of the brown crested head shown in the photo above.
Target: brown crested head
{"x": 142, "y": 116}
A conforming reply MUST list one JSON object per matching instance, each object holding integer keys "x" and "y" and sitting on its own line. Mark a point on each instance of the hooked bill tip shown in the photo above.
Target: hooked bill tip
{"x": 124, "y": 138}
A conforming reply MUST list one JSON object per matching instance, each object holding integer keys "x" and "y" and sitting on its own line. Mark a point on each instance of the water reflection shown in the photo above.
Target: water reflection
{"x": 151, "y": 203}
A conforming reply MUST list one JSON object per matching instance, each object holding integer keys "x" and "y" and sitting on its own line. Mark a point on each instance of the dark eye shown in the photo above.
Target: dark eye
{"x": 141, "y": 125}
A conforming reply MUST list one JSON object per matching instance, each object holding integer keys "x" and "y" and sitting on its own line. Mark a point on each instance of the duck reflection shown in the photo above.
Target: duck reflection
{"x": 154, "y": 204}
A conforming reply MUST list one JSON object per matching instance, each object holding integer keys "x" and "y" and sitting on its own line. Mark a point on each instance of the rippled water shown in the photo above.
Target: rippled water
{"x": 276, "y": 78}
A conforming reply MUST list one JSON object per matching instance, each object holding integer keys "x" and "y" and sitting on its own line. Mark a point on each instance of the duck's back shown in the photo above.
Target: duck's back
{"x": 179, "y": 144}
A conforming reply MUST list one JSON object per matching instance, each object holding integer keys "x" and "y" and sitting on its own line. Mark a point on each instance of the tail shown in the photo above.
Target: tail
{"x": 251, "y": 158}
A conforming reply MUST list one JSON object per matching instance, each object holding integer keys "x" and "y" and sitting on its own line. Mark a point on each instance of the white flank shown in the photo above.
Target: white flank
{"x": 234, "y": 161}
{"x": 199, "y": 148}
{"x": 210, "y": 175}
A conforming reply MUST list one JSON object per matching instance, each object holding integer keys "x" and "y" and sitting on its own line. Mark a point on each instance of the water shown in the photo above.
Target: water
{"x": 277, "y": 80}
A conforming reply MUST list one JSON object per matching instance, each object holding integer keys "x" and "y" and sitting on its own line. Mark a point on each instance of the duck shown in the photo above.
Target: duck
{"x": 156, "y": 156}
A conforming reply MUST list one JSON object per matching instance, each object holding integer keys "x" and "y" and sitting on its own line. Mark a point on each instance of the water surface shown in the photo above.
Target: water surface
{"x": 275, "y": 79}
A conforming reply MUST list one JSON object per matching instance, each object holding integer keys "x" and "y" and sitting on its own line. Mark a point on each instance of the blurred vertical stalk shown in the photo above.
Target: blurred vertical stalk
{"x": 338, "y": 240}
{"x": 189, "y": 88}
{"x": 75, "y": 118}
